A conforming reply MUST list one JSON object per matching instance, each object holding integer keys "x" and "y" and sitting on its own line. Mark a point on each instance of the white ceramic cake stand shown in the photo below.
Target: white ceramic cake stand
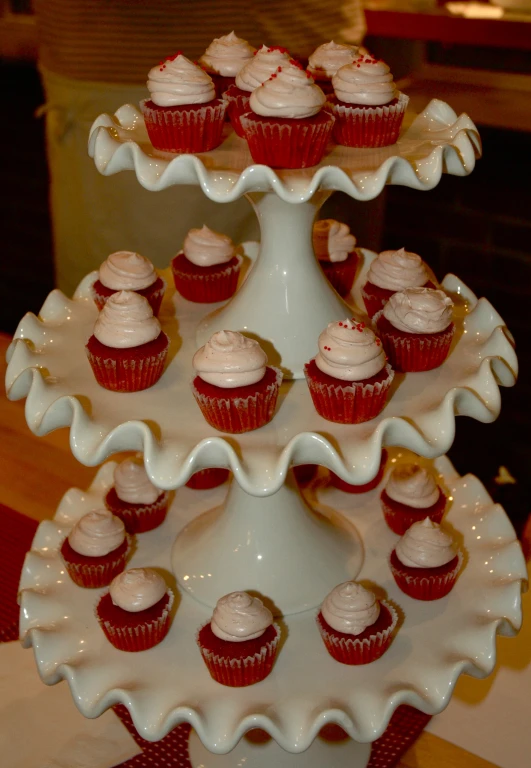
{"x": 307, "y": 689}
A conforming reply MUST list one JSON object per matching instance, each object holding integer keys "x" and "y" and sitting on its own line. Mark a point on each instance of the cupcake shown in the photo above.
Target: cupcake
{"x": 324, "y": 62}
{"x": 224, "y": 58}
{"x": 95, "y": 550}
{"x": 258, "y": 69}
{"x": 334, "y": 246}
{"x": 135, "y": 613}
{"x": 356, "y": 627}
{"x": 286, "y": 126}
{"x": 128, "y": 349}
{"x": 208, "y": 478}
{"x": 128, "y": 271}
{"x": 304, "y": 473}
{"x": 425, "y": 562}
{"x": 183, "y": 113}
{"x": 390, "y": 272}
{"x": 134, "y": 499}
{"x": 366, "y": 104}
{"x": 239, "y": 644}
{"x": 416, "y": 329}
{"x": 234, "y": 387}
{"x": 207, "y": 268}
{"x": 349, "y": 379}
{"x": 342, "y": 485}
{"x": 411, "y": 495}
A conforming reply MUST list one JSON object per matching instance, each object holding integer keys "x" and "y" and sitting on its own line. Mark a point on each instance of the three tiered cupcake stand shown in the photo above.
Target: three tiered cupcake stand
{"x": 262, "y": 535}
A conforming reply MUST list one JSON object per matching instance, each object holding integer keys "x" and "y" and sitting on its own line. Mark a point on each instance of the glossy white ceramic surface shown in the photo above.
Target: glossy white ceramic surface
{"x": 169, "y": 684}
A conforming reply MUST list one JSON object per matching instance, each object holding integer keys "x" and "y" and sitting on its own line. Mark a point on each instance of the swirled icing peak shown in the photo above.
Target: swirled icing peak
{"x": 226, "y": 55}
{"x": 177, "y": 81}
{"x": 350, "y": 608}
{"x": 126, "y": 321}
{"x": 205, "y": 248}
{"x": 324, "y": 62}
{"x": 367, "y": 81}
{"x": 419, "y": 310}
{"x": 127, "y": 271}
{"x": 238, "y": 617}
{"x": 96, "y": 534}
{"x": 289, "y": 93}
{"x": 132, "y": 484}
{"x": 349, "y": 350}
{"x": 396, "y": 270}
{"x": 263, "y": 64}
{"x": 332, "y": 240}
{"x": 137, "y": 589}
{"x": 425, "y": 545}
{"x": 229, "y": 359}
{"x": 412, "y": 485}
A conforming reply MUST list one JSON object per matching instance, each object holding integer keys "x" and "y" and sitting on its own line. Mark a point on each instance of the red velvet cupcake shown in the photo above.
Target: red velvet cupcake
{"x": 96, "y": 549}
{"x": 235, "y": 388}
{"x": 208, "y": 478}
{"x": 128, "y": 350}
{"x": 324, "y": 62}
{"x": 411, "y": 495}
{"x": 416, "y": 329}
{"x": 337, "y": 482}
{"x": 349, "y": 379}
{"x": 424, "y": 563}
{"x": 239, "y": 645}
{"x": 208, "y": 267}
{"x": 334, "y": 247}
{"x": 390, "y": 272}
{"x": 135, "y": 613}
{"x": 134, "y": 499}
{"x": 128, "y": 271}
{"x": 356, "y": 627}
{"x": 224, "y": 58}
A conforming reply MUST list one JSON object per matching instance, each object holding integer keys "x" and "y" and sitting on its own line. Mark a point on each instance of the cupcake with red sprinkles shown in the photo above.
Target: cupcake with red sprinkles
{"x": 410, "y": 495}
{"x": 356, "y": 628}
{"x": 324, "y": 62}
{"x": 208, "y": 267}
{"x": 425, "y": 562}
{"x": 135, "y": 613}
{"x": 335, "y": 248}
{"x": 128, "y": 271}
{"x": 349, "y": 379}
{"x": 239, "y": 645}
{"x": 390, "y": 272}
{"x": 337, "y": 482}
{"x": 134, "y": 499}
{"x": 95, "y": 550}
{"x": 224, "y": 58}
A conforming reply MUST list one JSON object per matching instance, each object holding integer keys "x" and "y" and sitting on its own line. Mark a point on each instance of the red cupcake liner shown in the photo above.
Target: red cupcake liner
{"x": 237, "y": 105}
{"x": 342, "y": 485}
{"x": 208, "y": 478}
{"x": 426, "y": 583}
{"x": 153, "y": 293}
{"x": 222, "y": 83}
{"x": 348, "y": 402}
{"x": 376, "y": 298}
{"x": 136, "y": 631}
{"x": 357, "y": 126}
{"x": 128, "y": 370}
{"x": 239, "y": 671}
{"x": 242, "y": 409}
{"x": 187, "y": 128}
{"x": 413, "y": 352}
{"x": 205, "y": 285}
{"x": 94, "y": 572}
{"x": 138, "y": 518}
{"x": 364, "y": 648}
{"x": 341, "y": 274}
{"x": 284, "y": 143}
{"x": 399, "y": 517}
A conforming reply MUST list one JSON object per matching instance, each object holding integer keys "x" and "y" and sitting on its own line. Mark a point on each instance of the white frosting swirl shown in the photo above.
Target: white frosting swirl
{"x": 238, "y": 617}
{"x": 137, "y": 589}
{"x": 324, "y": 62}
{"x": 205, "y": 248}
{"x": 350, "y": 608}
{"x": 396, "y": 270}
{"x": 349, "y": 350}
{"x": 263, "y": 64}
{"x": 412, "y": 485}
{"x": 127, "y": 271}
{"x": 230, "y": 360}
{"x": 126, "y": 321}
{"x": 332, "y": 240}
{"x": 425, "y": 545}
{"x": 179, "y": 81}
{"x": 366, "y": 81}
{"x": 226, "y": 55}
{"x": 289, "y": 93}
{"x": 132, "y": 484}
{"x": 97, "y": 533}
{"x": 419, "y": 310}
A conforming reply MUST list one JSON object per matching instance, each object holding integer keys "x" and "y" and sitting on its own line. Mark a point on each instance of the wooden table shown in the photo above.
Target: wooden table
{"x": 36, "y": 472}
